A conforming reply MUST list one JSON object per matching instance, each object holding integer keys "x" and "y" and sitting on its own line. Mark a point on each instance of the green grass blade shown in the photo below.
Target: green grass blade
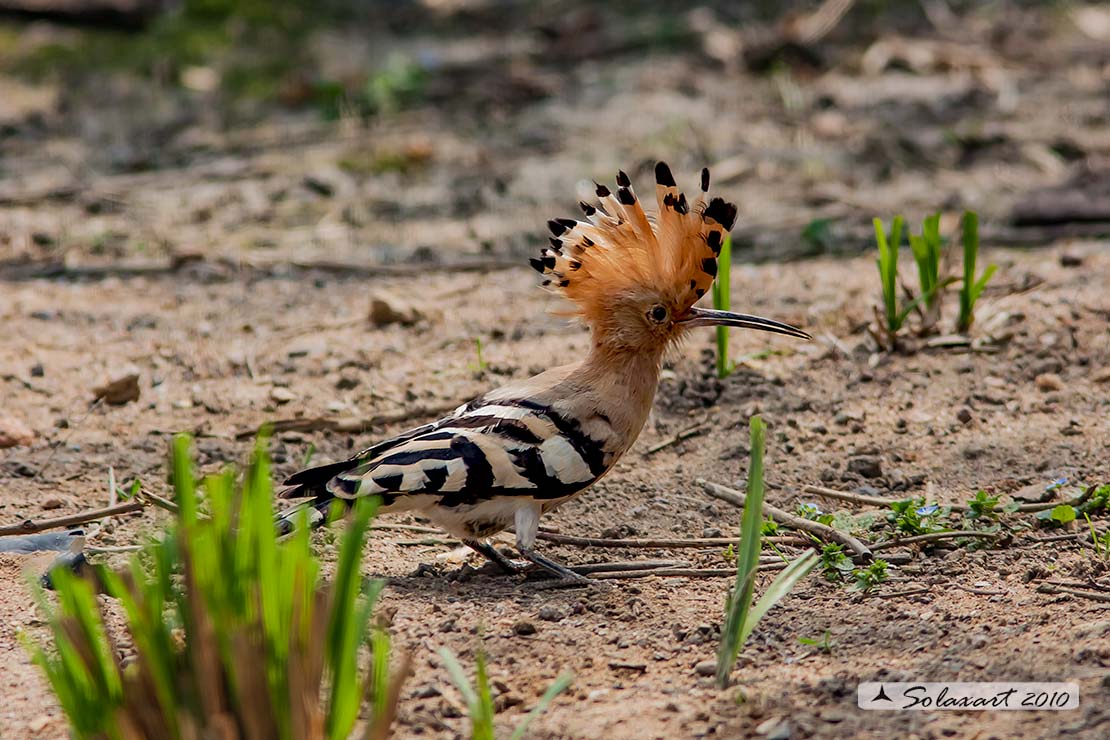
{"x": 348, "y": 623}
{"x": 482, "y": 719}
{"x": 783, "y": 584}
{"x": 747, "y": 558}
{"x": 888, "y": 269}
{"x": 458, "y": 676}
{"x": 722, "y": 298}
{"x": 559, "y": 686}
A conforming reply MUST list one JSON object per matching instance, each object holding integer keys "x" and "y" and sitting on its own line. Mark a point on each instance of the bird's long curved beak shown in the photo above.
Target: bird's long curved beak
{"x": 711, "y": 317}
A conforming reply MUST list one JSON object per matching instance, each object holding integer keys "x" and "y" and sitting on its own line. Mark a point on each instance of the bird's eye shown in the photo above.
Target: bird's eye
{"x": 658, "y": 314}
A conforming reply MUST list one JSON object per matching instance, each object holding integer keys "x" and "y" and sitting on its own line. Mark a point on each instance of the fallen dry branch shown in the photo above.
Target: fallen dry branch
{"x": 823, "y": 531}
{"x": 865, "y": 500}
{"x": 691, "y": 431}
{"x": 30, "y": 526}
{"x": 896, "y": 594}
{"x": 606, "y": 542}
{"x": 162, "y": 503}
{"x": 1052, "y": 588}
{"x": 685, "y": 572}
{"x": 934, "y": 537}
{"x": 350, "y": 425}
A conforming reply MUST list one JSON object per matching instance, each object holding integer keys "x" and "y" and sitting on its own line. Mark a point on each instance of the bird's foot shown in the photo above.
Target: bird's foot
{"x": 557, "y": 569}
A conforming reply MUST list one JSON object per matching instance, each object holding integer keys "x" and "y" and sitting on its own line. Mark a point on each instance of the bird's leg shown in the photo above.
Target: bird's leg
{"x": 527, "y": 523}
{"x": 494, "y": 555}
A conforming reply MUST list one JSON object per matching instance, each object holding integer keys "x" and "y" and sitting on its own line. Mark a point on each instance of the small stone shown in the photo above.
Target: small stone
{"x": 282, "y": 395}
{"x": 524, "y": 628}
{"x": 386, "y": 308}
{"x": 319, "y": 186}
{"x": 347, "y": 381}
{"x": 37, "y": 370}
{"x": 964, "y": 415}
{"x": 1067, "y": 259}
{"x": 55, "y": 502}
{"x": 39, "y": 723}
{"x": 706, "y": 668}
{"x": 427, "y": 691}
{"x": 1049, "y": 382}
{"x": 709, "y": 532}
{"x": 14, "y": 433}
{"x": 121, "y": 389}
{"x": 973, "y": 451}
{"x": 869, "y": 466}
{"x": 1102, "y": 375}
{"x": 897, "y": 480}
{"x": 775, "y": 728}
{"x": 550, "y": 613}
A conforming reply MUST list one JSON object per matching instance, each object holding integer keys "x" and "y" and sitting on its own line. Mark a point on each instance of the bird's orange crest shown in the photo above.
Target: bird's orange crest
{"x": 622, "y": 250}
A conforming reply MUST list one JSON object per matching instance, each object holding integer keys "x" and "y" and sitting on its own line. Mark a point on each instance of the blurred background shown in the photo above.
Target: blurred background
{"x": 384, "y": 132}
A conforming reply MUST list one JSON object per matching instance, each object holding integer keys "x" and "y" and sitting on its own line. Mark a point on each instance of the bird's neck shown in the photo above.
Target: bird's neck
{"x": 625, "y": 382}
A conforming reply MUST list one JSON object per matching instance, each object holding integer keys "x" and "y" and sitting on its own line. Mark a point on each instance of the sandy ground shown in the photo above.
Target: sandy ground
{"x": 279, "y": 233}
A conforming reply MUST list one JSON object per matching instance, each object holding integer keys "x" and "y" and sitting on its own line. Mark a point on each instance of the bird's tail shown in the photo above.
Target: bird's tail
{"x": 315, "y": 513}
{"x": 311, "y": 485}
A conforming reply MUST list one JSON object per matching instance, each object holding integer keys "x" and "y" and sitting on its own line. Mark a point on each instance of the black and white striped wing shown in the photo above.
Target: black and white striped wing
{"x": 499, "y": 448}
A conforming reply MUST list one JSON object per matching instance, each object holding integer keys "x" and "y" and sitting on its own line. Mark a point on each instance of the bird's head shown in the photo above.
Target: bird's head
{"x": 633, "y": 277}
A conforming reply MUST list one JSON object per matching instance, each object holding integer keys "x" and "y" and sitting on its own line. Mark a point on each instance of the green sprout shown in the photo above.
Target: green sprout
{"x": 982, "y": 506}
{"x": 972, "y": 288}
{"x": 834, "y": 563}
{"x": 721, "y": 291}
{"x": 867, "y": 579}
{"x": 741, "y": 616}
{"x": 479, "y": 698}
{"x": 926, "y": 253}
{"x": 824, "y": 644}
{"x": 913, "y": 516}
{"x": 1100, "y": 541}
{"x": 481, "y": 364}
{"x": 231, "y": 626}
{"x": 888, "y": 273}
{"x": 1058, "y": 515}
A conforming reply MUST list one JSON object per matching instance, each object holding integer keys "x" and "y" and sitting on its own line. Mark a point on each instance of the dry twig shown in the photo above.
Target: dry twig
{"x": 30, "y": 526}
{"x": 933, "y": 537}
{"x": 604, "y": 542}
{"x": 823, "y": 531}
{"x": 1052, "y": 588}
{"x": 352, "y": 425}
{"x": 686, "y": 433}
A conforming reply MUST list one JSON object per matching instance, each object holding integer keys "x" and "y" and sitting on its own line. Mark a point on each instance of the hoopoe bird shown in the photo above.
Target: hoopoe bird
{"x": 510, "y": 456}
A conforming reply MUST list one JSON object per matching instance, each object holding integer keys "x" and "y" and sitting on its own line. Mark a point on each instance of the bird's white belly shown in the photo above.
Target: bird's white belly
{"x": 469, "y": 521}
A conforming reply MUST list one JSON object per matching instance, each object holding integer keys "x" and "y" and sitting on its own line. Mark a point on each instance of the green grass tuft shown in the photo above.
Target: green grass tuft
{"x": 741, "y": 616}
{"x": 232, "y": 628}
{"x": 722, "y": 291}
{"x": 479, "y": 698}
{"x": 972, "y": 288}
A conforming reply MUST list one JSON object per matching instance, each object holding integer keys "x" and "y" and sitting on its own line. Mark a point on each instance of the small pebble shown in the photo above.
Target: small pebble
{"x": 964, "y": 415}
{"x": 524, "y": 628}
{"x": 1049, "y": 382}
{"x": 706, "y": 668}
{"x": 122, "y": 388}
{"x": 550, "y": 613}
{"x": 282, "y": 395}
{"x": 869, "y": 466}
{"x": 14, "y": 433}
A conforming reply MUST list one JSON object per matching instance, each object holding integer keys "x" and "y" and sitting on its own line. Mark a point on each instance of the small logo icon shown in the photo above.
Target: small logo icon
{"x": 881, "y": 696}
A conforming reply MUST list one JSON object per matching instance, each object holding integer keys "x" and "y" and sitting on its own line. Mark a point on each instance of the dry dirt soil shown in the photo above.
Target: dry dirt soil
{"x": 234, "y": 272}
